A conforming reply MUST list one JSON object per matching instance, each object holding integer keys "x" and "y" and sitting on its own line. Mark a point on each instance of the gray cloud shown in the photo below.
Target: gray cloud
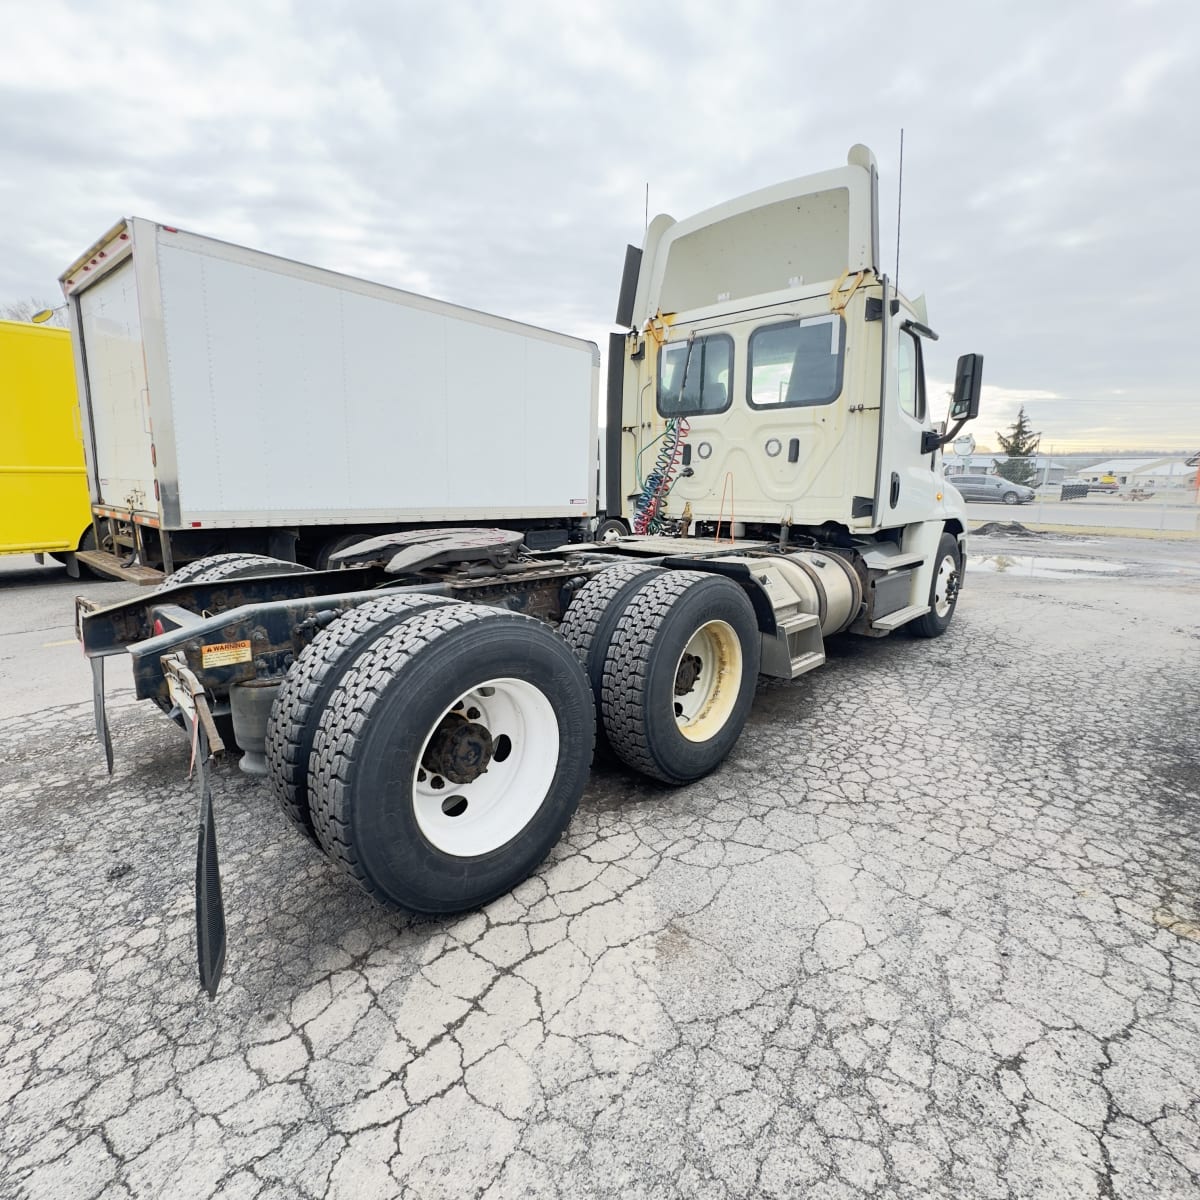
{"x": 496, "y": 155}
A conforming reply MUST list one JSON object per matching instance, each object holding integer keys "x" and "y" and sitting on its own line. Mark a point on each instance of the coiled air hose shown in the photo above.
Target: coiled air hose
{"x": 656, "y": 487}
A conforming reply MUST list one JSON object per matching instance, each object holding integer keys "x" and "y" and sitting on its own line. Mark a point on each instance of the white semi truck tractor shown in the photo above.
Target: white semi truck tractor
{"x": 426, "y": 711}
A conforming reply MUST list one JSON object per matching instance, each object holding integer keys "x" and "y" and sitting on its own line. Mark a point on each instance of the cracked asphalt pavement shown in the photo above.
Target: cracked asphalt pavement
{"x": 931, "y": 931}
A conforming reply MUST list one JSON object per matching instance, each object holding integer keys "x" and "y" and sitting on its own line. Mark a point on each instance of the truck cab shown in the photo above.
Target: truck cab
{"x": 770, "y": 382}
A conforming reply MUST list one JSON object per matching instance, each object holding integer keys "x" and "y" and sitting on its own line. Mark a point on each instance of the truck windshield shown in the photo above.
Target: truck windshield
{"x": 708, "y": 374}
{"x": 796, "y": 363}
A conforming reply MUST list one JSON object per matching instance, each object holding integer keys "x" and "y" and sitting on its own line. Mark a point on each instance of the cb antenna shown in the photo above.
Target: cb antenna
{"x": 899, "y": 200}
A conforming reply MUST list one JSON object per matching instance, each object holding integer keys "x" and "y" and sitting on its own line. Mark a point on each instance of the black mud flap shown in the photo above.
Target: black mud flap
{"x": 101, "y": 715}
{"x": 210, "y": 907}
{"x": 189, "y": 697}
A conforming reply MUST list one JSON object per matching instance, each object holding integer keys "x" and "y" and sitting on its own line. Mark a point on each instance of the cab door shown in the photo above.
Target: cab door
{"x": 907, "y": 481}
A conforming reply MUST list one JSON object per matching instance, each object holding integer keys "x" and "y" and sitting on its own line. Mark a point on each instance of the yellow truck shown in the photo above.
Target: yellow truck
{"x": 44, "y": 506}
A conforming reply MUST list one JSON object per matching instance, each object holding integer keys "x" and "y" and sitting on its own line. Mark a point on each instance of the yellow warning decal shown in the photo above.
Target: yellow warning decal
{"x": 225, "y": 654}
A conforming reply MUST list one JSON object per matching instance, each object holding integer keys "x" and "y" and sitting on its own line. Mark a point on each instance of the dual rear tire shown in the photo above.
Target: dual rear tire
{"x": 436, "y": 751}
{"x": 436, "y": 755}
{"x": 673, "y": 659}
{"x": 305, "y": 691}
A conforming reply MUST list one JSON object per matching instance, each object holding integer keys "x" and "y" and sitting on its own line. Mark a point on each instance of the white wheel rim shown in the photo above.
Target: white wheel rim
{"x": 708, "y": 677}
{"x": 473, "y": 817}
{"x": 942, "y": 597}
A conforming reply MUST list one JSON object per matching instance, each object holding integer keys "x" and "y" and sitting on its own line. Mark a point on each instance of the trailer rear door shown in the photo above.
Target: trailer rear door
{"x": 117, "y": 396}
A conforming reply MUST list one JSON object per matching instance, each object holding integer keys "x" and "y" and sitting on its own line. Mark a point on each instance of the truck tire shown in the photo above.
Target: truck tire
{"x": 216, "y": 567}
{"x": 451, "y": 756}
{"x": 610, "y": 530}
{"x": 87, "y": 541}
{"x": 594, "y": 612}
{"x": 943, "y": 591}
{"x": 308, "y": 685}
{"x": 333, "y": 545}
{"x": 679, "y": 675}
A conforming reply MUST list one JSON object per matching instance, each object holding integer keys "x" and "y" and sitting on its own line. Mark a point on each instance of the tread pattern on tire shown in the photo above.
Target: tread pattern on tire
{"x": 626, "y": 666}
{"x": 292, "y": 723}
{"x": 344, "y": 720}
{"x": 586, "y": 610}
{"x": 222, "y": 566}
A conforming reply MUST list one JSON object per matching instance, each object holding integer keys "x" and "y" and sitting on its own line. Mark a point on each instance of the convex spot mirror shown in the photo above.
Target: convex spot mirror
{"x": 968, "y": 377}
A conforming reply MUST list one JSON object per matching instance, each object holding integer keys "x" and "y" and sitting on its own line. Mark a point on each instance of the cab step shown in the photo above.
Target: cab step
{"x": 901, "y": 616}
{"x": 879, "y": 559}
{"x": 796, "y": 647}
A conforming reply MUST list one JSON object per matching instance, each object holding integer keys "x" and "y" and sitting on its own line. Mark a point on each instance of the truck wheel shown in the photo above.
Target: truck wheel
{"x": 308, "y": 685}
{"x": 1010, "y": 497}
{"x": 87, "y": 541}
{"x": 594, "y": 612}
{"x": 451, "y": 756}
{"x": 216, "y": 567}
{"x": 943, "y": 591}
{"x": 610, "y": 530}
{"x": 679, "y": 675}
{"x": 333, "y": 545}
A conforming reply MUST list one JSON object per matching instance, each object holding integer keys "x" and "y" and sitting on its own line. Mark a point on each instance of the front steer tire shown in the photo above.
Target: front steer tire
{"x": 418, "y": 696}
{"x": 679, "y": 675}
{"x": 309, "y": 683}
{"x": 943, "y": 590}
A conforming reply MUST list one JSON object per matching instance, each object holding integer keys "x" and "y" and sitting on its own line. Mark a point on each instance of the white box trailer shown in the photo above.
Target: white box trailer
{"x": 235, "y": 400}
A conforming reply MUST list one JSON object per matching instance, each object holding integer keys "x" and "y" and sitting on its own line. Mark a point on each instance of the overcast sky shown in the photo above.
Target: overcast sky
{"x": 496, "y": 155}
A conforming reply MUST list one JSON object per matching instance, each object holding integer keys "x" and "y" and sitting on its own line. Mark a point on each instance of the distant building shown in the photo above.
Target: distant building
{"x": 1116, "y": 468}
{"x": 1164, "y": 472}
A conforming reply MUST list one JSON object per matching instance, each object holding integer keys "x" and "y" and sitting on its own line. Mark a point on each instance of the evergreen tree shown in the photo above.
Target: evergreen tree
{"x": 1020, "y": 445}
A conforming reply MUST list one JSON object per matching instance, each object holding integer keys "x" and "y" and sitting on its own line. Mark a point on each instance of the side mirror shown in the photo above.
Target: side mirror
{"x": 968, "y": 378}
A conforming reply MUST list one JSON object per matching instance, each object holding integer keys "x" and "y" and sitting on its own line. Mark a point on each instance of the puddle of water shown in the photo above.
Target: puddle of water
{"x": 1041, "y": 566}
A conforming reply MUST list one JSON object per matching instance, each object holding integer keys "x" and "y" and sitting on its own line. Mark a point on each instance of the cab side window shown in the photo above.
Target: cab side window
{"x": 910, "y": 380}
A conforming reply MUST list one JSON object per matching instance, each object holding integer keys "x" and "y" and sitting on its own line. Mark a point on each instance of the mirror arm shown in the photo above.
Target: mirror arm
{"x": 931, "y": 440}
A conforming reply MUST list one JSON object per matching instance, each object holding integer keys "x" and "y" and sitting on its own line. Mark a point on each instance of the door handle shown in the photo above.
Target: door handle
{"x": 895, "y": 496}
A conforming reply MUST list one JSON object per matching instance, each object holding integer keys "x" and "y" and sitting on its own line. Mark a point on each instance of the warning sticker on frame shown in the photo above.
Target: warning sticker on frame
{"x": 225, "y": 654}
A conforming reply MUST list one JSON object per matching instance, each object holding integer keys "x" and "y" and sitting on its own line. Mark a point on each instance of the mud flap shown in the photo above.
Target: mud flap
{"x": 189, "y": 697}
{"x": 210, "y": 907}
{"x": 101, "y": 715}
